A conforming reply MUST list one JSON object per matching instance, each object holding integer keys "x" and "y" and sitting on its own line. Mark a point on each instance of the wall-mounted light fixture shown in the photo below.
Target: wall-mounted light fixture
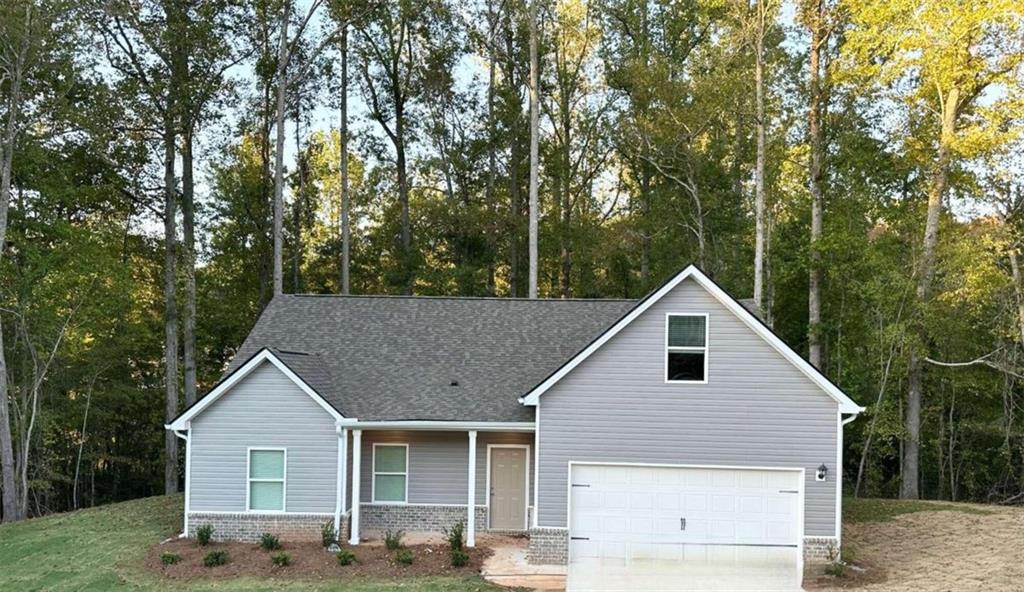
{"x": 822, "y": 473}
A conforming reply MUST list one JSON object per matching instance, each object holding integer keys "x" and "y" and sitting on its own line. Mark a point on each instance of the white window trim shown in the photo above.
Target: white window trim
{"x": 526, "y": 477}
{"x": 691, "y": 349}
{"x": 249, "y": 480}
{"x": 374, "y": 472}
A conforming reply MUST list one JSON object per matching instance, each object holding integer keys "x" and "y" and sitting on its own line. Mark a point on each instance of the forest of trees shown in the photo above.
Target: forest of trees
{"x": 168, "y": 166}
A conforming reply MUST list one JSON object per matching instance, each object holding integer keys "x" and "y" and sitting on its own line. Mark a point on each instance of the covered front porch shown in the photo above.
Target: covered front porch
{"x": 424, "y": 476}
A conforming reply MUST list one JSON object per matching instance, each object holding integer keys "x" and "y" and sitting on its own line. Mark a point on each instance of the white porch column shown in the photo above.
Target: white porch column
{"x": 357, "y": 453}
{"x": 471, "y": 503}
{"x": 342, "y": 483}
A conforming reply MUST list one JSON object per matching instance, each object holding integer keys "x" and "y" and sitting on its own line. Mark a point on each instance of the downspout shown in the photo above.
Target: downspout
{"x": 188, "y": 472}
{"x": 839, "y": 477}
{"x": 342, "y": 477}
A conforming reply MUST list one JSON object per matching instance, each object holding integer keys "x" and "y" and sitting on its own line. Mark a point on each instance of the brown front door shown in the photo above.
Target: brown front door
{"x": 508, "y": 488}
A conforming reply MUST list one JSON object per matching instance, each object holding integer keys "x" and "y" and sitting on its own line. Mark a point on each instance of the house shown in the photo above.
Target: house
{"x": 600, "y": 428}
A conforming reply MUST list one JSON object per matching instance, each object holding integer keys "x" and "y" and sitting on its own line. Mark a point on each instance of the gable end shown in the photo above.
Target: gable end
{"x": 846, "y": 404}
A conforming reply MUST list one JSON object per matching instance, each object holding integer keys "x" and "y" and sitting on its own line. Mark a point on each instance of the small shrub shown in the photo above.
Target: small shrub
{"x": 328, "y": 536}
{"x": 169, "y": 558}
{"x": 269, "y": 542}
{"x": 203, "y": 534}
{"x": 280, "y": 559}
{"x": 393, "y": 540}
{"x": 215, "y": 558}
{"x": 459, "y": 558}
{"x": 836, "y": 569}
{"x": 346, "y": 557}
{"x": 404, "y": 556}
{"x": 455, "y": 536}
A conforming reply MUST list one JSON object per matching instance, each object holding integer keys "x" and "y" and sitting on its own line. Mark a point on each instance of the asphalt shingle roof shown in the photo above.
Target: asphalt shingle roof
{"x": 396, "y": 358}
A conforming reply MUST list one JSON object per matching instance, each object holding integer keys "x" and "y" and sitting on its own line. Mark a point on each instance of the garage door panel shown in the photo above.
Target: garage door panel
{"x": 636, "y": 512}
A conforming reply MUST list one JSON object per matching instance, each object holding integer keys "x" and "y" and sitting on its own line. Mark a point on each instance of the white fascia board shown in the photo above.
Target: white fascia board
{"x": 265, "y": 355}
{"x": 846, "y": 405}
{"x": 452, "y": 426}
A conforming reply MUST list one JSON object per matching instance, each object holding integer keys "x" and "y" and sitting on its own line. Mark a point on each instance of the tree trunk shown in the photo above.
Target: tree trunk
{"x": 346, "y": 233}
{"x": 170, "y": 306}
{"x": 403, "y": 197}
{"x": 300, "y": 198}
{"x": 759, "y": 165}
{"x": 282, "y": 87}
{"x": 566, "y": 201}
{"x": 189, "y": 259}
{"x": 926, "y": 272}
{"x": 534, "y": 147}
{"x": 1018, "y": 289}
{"x": 816, "y": 172}
{"x": 9, "y": 502}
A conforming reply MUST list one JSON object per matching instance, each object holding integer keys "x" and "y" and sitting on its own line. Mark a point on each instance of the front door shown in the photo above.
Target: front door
{"x": 508, "y": 488}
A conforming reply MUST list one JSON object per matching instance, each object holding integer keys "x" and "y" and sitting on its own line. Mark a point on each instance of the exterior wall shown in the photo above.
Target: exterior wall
{"x": 247, "y": 527}
{"x": 265, "y": 409}
{"x": 417, "y": 517}
{"x": 438, "y": 464}
{"x": 756, "y": 409}
{"x": 548, "y": 546}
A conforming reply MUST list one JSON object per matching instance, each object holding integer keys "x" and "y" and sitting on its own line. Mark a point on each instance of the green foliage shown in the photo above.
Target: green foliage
{"x": 459, "y": 557}
{"x": 393, "y": 539}
{"x": 168, "y": 558}
{"x": 216, "y": 558}
{"x": 455, "y": 536}
{"x": 404, "y": 556}
{"x": 280, "y": 559}
{"x": 328, "y": 536}
{"x": 836, "y": 569}
{"x": 269, "y": 542}
{"x": 345, "y": 557}
{"x": 203, "y": 534}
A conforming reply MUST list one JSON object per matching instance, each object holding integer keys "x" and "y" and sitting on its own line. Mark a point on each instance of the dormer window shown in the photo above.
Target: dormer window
{"x": 686, "y": 348}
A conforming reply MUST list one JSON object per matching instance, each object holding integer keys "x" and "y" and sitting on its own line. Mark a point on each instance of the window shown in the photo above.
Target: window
{"x": 267, "y": 470}
{"x": 686, "y": 344}
{"x": 390, "y": 473}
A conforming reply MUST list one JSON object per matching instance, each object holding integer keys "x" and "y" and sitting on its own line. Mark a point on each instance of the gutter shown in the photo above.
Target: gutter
{"x": 455, "y": 426}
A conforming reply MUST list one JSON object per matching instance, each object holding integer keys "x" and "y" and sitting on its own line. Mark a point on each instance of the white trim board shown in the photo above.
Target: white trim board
{"x": 526, "y": 484}
{"x": 264, "y": 355}
{"x": 846, "y": 404}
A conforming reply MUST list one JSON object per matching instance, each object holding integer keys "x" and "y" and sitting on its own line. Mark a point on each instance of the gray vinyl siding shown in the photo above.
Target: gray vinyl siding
{"x": 264, "y": 409}
{"x": 439, "y": 463}
{"x": 757, "y": 409}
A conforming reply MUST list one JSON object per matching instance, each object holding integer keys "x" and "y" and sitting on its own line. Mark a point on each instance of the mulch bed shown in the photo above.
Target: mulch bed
{"x": 851, "y": 578}
{"x": 309, "y": 561}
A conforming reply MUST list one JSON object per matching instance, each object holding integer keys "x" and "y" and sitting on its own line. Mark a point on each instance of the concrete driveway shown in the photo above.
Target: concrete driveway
{"x": 733, "y": 569}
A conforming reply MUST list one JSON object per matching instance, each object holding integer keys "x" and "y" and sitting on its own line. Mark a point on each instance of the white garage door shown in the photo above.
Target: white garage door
{"x": 637, "y": 512}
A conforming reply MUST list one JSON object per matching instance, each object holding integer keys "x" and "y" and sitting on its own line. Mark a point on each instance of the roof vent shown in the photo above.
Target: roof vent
{"x": 454, "y": 383}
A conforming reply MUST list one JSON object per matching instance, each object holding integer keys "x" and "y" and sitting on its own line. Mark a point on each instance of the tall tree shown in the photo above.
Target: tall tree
{"x": 762, "y": 14}
{"x": 534, "y": 203}
{"x": 346, "y": 229}
{"x": 938, "y": 59}
{"x": 402, "y": 48}
{"x": 18, "y": 26}
{"x": 814, "y": 19}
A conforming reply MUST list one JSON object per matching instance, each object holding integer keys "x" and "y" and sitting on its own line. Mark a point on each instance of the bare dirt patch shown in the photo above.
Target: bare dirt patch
{"x": 309, "y": 561}
{"x": 935, "y": 551}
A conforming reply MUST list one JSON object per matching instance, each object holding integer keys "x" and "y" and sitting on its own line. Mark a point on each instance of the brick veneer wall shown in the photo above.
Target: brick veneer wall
{"x": 549, "y": 546}
{"x": 820, "y": 549}
{"x": 247, "y": 527}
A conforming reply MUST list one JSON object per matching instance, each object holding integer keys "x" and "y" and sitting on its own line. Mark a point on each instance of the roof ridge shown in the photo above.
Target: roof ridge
{"x": 441, "y": 297}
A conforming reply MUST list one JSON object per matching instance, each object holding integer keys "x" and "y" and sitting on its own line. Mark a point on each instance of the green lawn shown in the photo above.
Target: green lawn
{"x": 884, "y": 510}
{"x": 102, "y": 549}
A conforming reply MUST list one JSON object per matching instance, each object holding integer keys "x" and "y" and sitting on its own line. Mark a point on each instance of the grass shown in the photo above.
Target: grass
{"x": 103, "y": 548}
{"x": 884, "y": 510}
